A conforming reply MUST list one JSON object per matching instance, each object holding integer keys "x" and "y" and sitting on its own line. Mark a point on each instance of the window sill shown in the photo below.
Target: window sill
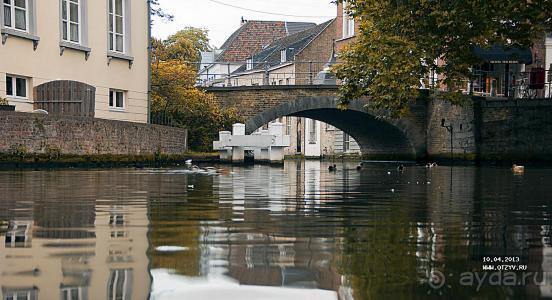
{"x": 346, "y": 38}
{"x": 73, "y": 46}
{"x": 114, "y": 109}
{"x": 111, "y": 55}
{"x": 7, "y": 32}
{"x": 18, "y": 99}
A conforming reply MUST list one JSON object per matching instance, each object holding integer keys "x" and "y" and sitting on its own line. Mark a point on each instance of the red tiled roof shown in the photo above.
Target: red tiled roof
{"x": 252, "y": 36}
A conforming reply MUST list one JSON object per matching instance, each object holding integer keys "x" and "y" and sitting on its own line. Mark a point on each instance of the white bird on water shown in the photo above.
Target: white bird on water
{"x": 188, "y": 162}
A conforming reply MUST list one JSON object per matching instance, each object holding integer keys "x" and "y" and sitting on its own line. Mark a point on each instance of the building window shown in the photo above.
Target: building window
{"x": 288, "y": 125}
{"x": 16, "y": 14}
{"x": 312, "y": 132}
{"x": 346, "y": 142}
{"x": 348, "y": 22}
{"x": 249, "y": 64}
{"x": 116, "y": 99}
{"x": 71, "y": 20}
{"x": 117, "y": 25}
{"x": 120, "y": 284}
{"x": 16, "y": 87}
{"x": 283, "y": 56}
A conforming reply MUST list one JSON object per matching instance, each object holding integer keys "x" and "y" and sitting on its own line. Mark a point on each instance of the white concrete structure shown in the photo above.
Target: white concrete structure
{"x": 268, "y": 145}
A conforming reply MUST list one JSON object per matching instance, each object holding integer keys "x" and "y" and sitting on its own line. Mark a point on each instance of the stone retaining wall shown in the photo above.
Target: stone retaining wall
{"x": 27, "y": 133}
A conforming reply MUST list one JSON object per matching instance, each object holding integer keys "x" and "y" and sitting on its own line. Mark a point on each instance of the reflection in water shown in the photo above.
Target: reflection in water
{"x": 297, "y": 232}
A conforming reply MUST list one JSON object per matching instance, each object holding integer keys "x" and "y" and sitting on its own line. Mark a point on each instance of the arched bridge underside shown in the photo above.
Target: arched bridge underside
{"x": 377, "y": 138}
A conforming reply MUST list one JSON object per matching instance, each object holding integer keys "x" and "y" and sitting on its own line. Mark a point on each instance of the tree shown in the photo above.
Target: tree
{"x": 401, "y": 41}
{"x": 186, "y": 44}
{"x": 175, "y": 96}
{"x": 157, "y": 11}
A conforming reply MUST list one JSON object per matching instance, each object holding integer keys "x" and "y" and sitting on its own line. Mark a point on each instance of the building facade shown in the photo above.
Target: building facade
{"x": 102, "y": 44}
{"x": 297, "y": 59}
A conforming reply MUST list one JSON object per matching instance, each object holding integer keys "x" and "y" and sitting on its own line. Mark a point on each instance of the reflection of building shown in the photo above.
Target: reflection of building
{"x": 82, "y": 251}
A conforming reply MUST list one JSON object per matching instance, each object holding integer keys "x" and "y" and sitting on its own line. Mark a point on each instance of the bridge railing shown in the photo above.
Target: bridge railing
{"x": 260, "y": 73}
{"x": 531, "y": 84}
{"x": 535, "y": 83}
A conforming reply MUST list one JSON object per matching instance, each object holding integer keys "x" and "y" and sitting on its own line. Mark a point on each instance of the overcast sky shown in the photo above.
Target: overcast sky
{"x": 222, "y": 20}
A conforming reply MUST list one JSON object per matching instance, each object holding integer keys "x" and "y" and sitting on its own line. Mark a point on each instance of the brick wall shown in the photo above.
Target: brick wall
{"x": 318, "y": 51}
{"x": 40, "y": 134}
{"x": 341, "y": 42}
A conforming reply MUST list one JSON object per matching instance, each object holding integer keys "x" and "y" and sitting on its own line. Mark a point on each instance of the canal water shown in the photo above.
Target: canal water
{"x": 292, "y": 232}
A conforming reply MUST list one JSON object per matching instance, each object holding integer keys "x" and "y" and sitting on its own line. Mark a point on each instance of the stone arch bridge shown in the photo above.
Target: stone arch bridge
{"x": 484, "y": 129}
{"x": 258, "y": 105}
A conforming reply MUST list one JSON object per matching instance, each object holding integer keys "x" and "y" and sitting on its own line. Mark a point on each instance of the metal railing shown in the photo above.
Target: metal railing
{"x": 260, "y": 73}
{"x": 535, "y": 83}
{"x": 531, "y": 84}
{"x": 161, "y": 118}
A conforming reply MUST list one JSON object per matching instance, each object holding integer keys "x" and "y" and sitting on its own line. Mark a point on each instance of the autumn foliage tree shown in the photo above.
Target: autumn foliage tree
{"x": 176, "y": 99}
{"x": 401, "y": 41}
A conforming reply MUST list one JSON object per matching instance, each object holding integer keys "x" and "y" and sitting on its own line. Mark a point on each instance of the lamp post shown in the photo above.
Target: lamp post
{"x": 450, "y": 130}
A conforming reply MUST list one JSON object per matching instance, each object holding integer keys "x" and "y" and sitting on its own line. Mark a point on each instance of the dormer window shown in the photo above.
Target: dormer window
{"x": 283, "y": 56}
{"x": 348, "y": 22}
{"x": 249, "y": 64}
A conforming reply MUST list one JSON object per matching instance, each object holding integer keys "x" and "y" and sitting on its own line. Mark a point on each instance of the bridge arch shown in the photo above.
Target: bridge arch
{"x": 377, "y": 138}
{"x": 385, "y": 139}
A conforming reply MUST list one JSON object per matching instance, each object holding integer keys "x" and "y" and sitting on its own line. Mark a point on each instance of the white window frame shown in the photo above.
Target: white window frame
{"x": 68, "y": 21}
{"x": 14, "y": 87}
{"x": 283, "y": 56}
{"x": 348, "y": 23}
{"x": 66, "y": 292}
{"x": 28, "y": 294}
{"x": 346, "y": 142}
{"x": 114, "y": 107}
{"x": 249, "y": 64}
{"x": 12, "y": 15}
{"x": 112, "y": 35}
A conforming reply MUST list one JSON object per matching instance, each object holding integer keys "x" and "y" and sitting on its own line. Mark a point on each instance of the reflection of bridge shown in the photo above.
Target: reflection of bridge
{"x": 484, "y": 129}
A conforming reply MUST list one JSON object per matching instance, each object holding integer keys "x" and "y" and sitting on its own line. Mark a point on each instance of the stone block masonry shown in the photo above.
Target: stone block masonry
{"x": 516, "y": 130}
{"x": 27, "y": 134}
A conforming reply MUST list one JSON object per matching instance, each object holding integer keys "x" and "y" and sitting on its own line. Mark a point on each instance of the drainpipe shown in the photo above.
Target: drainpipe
{"x": 149, "y": 62}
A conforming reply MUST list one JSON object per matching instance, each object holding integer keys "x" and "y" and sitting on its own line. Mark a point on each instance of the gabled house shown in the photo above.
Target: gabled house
{"x": 250, "y": 38}
{"x": 294, "y": 59}
{"x": 298, "y": 59}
